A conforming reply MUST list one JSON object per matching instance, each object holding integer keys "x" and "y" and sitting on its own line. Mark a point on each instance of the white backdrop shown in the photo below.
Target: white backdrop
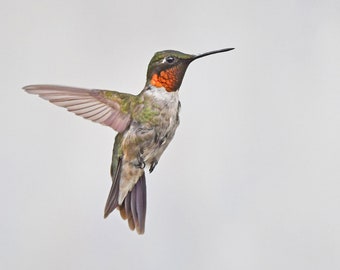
{"x": 251, "y": 180}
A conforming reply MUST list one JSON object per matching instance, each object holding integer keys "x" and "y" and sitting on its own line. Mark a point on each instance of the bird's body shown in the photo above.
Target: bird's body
{"x": 146, "y": 123}
{"x": 153, "y": 125}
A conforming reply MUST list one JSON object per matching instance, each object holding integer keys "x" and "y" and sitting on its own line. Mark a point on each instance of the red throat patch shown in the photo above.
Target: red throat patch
{"x": 167, "y": 79}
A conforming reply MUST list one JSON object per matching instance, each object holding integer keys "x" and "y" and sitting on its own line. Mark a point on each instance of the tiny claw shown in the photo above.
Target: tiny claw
{"x": 153, "y": 165}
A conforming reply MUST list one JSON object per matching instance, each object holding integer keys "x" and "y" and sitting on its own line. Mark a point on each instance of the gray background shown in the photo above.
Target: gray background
{"x": 251, "y": 180}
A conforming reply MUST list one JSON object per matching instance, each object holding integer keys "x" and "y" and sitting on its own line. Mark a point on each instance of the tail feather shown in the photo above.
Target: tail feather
{"x": 125, "y": 211}
{"x": 140, "y": 193}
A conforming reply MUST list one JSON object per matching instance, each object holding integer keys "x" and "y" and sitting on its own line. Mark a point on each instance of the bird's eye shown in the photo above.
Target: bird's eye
{"x": 169, "y": 59}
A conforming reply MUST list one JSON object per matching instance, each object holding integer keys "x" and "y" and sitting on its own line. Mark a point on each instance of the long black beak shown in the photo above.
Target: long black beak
{"x": 212, "y": 52}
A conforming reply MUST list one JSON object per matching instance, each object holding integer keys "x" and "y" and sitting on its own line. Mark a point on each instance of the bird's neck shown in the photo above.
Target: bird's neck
{"x": 160, "y": 94}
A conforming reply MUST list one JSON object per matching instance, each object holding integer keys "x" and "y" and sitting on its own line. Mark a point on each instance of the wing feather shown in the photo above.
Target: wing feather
{"x": 100, "y": 106}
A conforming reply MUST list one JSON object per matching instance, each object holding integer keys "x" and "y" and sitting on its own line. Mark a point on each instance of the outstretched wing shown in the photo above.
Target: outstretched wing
{"x": 101, "y": 106}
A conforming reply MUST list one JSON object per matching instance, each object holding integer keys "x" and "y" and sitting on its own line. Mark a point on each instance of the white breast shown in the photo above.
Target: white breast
{"x": 161, "y": 94}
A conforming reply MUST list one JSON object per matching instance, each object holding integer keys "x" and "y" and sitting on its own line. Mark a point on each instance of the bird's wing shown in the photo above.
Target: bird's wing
{"x": 101, "y": 106}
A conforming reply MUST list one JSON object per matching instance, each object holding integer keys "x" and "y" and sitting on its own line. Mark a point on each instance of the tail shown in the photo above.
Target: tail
{"x": 133, "y": 207}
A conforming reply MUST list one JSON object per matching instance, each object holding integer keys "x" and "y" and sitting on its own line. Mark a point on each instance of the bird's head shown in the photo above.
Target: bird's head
{"x": 167, "y": 68}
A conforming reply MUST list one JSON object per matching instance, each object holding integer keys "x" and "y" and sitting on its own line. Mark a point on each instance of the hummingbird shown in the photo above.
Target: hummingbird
{"x": 146, "y": 123}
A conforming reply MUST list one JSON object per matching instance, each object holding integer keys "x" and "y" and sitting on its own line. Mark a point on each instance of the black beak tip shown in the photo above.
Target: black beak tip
{"x": 212, "y": 52}
{"x": 226, "y": 49}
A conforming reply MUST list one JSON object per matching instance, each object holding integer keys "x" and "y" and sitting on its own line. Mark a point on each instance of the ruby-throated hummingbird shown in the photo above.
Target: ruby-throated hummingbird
{"x": 146, "y": 123}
